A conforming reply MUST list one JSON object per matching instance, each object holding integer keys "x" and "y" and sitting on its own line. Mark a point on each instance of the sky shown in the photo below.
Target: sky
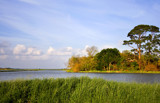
{"x": 46, "y": 33}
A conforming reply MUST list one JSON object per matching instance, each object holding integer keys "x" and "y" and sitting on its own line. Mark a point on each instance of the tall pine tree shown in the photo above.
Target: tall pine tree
{"x": 138, "y": 36}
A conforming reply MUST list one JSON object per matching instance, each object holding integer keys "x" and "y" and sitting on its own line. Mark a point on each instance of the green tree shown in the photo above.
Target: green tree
{"x": 137, "y": 37}
{"x": 151, "y": 47}
{"x": 128, "y": 61}
{"x": 107, "y": 57}
{"x": 128, "y": 55}
{"x": 152, "y": 43}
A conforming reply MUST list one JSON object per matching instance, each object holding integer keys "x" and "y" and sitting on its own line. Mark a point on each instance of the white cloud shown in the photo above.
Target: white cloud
{"x": 19, "y": 49}
{"x": 2, "y": 51}
{"x": 81, "y": 52}
{"x": 33, "y": 51}
{"x": 32, "y": 56}
{"x": 52, "y": 51}
{"x": 23, "y": 50}
{"x": 69, "y": 48}
{"x": 68, "y": 51}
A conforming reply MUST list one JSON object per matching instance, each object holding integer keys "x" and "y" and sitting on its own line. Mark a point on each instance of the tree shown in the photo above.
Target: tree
{"x": 73, "y": 63}
{"x": 87, "y": 63}
{"x": 128, "y": 61}
{"x": 137, "y": 37}
{"x": 151, "y": 46}
{"x": 152, "y": 43}
{"x": 107, "y": 57}
{"x": 128, "y": 55}
{"x": 83, "y": 63}
{"x": 91, "y": 51}
{"x": 159, "y": 63}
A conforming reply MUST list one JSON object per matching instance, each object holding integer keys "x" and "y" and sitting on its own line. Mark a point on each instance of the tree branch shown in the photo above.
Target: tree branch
{"x": 133, "y": 47}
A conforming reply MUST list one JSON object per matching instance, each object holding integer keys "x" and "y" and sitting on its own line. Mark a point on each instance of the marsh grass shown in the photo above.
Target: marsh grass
{"x": 77, "y": 90}
{"x": 99, "y": 71}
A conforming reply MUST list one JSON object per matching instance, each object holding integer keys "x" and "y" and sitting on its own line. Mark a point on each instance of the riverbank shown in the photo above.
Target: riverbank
{"x": 78, "y": 90}
{"x": 97, "y": 71}
{"x": 15, "y": 70}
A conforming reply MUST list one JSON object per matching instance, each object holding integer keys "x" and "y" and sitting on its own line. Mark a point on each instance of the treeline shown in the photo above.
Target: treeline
{"x": 144, "y": 55}
{"x": 112, "y": 59}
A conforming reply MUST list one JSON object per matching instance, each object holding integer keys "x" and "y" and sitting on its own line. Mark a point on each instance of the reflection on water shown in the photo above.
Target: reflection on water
{"x": 140, "y": 78}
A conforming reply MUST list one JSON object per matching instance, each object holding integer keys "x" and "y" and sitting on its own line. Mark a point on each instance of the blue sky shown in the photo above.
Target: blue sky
{"x": 45, "y": 33}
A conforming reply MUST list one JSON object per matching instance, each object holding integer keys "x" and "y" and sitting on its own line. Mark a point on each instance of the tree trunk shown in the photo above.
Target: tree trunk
{"x": 109, "y": 66}
{"x": 139, "y": 53}
{"x": 139, "y": 58}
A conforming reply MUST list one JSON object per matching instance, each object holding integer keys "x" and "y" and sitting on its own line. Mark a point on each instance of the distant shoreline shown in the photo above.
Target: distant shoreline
{"x": 154, "y": 72}
{"x": 15, "y": 70}
{"x": 68, "y": 70}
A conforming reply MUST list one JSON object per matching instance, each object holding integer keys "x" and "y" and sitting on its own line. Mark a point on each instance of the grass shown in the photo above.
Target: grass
{"x": 112, "y": 71}
{"x": 77, "y": 90}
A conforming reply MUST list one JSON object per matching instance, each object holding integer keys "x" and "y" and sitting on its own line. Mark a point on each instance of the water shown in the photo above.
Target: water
{"x": 139, "y": 78}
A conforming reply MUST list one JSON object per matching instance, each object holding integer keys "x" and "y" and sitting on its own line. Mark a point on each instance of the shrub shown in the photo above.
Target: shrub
{"x": 76, "y": 68}
{"x": 151, "y": 67}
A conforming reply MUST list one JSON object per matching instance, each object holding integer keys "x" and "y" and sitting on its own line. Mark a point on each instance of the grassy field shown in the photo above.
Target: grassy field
{"x": 77, "y": 90}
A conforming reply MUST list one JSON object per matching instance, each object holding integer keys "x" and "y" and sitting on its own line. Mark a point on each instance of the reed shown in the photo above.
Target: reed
{"x": 77, "y": 90}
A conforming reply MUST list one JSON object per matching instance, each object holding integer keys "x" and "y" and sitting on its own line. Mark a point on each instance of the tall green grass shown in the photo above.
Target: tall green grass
{"x": 77, "y": 90}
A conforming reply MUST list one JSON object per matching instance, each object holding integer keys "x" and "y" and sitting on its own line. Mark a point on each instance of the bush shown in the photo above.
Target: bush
{"x": 134, "y": 66}
{"x": 151, "y": 67}
{"x": 76, "y": 68}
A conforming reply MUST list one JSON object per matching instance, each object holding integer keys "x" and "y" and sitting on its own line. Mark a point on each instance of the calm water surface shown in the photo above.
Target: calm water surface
{"x": 140, "y": 78}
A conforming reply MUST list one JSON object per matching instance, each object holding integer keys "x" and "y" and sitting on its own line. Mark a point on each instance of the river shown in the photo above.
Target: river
{"x": 120, "y": 77}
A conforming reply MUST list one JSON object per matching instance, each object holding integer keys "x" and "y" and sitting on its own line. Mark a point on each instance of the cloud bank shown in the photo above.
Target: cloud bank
{"x": 21, "y": 55}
